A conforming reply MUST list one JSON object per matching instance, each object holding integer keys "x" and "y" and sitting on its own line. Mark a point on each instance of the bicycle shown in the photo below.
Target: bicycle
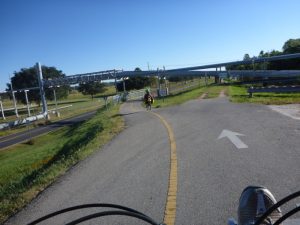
{"x": 257, "y": 206}
{"x": 148, "y": 106}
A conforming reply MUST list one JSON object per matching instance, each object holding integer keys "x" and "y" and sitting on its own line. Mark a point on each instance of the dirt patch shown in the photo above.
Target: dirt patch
{"x": 203, "y": 96}
{"x": 222, "y": 94}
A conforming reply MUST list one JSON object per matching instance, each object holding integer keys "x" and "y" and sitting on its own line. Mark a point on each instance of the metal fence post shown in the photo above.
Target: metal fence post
{"x": 55, "y": 100}
{"x": 3, "y": 116}
{"x": 26, "y": 98}
{"x": 115, "y": 75}
{"x": 42, "y": 91}
{"x": 14, "y": 100}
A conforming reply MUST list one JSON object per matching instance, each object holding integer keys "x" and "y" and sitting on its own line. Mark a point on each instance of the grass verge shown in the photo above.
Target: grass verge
{"x": 239, "y": 94}
{"x": 80, "y": 104}
{"x": 212, "y": 91}
{"x": 25, "y": 169}
{"x": 78, "y": 107}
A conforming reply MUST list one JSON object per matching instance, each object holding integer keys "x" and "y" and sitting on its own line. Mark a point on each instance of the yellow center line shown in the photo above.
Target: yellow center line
{"x": 170, "y": 210}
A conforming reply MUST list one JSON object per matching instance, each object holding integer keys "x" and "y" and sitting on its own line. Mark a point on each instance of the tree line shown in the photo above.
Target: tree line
{"x": 27, "y": 78}
{"x": 291, "y": 46}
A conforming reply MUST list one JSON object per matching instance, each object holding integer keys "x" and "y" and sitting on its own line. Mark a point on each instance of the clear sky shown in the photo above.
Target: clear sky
{"x": 79, "y": 36}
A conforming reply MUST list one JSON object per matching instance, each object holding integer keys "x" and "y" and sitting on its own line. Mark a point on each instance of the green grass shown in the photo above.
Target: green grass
{"x": 239, "y": 94}
{"x": 26, "y": 169}
{"x": 80, "y": 104}
{"x": 212, "y": 91}
{"x": 176, "y": 87}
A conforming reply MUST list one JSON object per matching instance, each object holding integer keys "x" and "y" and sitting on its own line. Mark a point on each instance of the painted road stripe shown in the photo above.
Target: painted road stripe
{"x": 170, "y": 210}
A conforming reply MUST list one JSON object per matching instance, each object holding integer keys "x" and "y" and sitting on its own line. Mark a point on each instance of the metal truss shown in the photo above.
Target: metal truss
{"x": 82, "y": 78}
{"x": 187, "y": 71}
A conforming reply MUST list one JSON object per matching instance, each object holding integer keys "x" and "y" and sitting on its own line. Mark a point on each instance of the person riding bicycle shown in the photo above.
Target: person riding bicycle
{"x": 148, "y": 99}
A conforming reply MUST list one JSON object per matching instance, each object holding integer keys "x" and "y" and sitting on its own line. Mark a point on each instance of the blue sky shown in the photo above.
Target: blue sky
{"x": 79, "y": 36}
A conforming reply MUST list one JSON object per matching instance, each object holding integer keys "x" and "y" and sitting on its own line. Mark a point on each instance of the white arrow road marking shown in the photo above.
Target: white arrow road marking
{"x": 233, "y": 137}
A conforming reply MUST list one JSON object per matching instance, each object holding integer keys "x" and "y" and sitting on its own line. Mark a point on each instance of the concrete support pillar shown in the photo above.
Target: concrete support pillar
{"x": 216, "y": 77}
{"x": 124, "y": 86}
{"x": 158, "y": 84}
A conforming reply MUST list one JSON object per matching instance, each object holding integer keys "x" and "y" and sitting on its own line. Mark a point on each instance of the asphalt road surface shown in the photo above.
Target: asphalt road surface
{"x": 20, "y": 137}
{"x": 134, "y": 169}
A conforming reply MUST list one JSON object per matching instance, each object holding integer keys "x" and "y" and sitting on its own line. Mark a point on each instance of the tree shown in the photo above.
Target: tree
{"x": 291, "y": 46}
{"x": 246, "y": 57}
{"x": 136, "y": 82}
{"x": 91, "y": 88}
{"x": 27, "y": 78}
{"x": 132, "y": 83}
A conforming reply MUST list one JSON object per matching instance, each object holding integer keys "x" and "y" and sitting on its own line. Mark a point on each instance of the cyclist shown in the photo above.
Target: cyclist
{"x": 148, "y": 99}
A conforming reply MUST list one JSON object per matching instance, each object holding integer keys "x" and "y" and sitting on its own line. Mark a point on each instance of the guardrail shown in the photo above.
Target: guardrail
{"x": 281, "y": 89}
{"x": 114, "y": 99}
{"x": 135, "y": 95}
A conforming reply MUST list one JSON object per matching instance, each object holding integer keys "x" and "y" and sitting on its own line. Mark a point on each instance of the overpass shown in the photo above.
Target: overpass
{"x": 214, "y": 70}
{"x": 186, "y": 71}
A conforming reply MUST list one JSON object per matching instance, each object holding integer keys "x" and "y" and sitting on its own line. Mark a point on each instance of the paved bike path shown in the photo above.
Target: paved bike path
{"x": 212, "y": 172}
{"x": 132, "y": 170}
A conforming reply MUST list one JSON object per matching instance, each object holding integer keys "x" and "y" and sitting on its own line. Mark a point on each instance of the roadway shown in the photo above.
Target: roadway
{"x": 211, "y": 172}
{"x": 23, "y": 136}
